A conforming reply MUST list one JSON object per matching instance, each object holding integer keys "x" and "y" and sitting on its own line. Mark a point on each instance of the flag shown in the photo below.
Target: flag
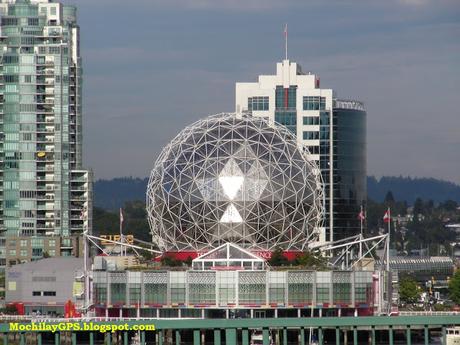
{"x": 386, "y": 216}
{"x": 121, "y": 216}
{"x": 361, "y": 215}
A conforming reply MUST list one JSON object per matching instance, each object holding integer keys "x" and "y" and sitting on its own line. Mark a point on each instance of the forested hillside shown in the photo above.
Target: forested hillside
{"x": 112, "y": 194}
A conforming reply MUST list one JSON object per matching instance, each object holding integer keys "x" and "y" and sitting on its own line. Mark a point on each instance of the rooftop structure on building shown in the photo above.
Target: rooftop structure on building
{"x": 439, "y": 268}
{"x": 332, "y": 130}
{"x": 45, "y": 194}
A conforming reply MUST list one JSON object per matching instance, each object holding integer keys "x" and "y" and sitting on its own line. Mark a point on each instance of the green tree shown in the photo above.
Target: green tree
{"x": 409, "y": 291}
{"x": 170, "y": 261}
{"x": 454, "y": 287}
{"x": 389, "y": 198}
{"x": 311, "y": 260}
{"x": 278, "y": 259}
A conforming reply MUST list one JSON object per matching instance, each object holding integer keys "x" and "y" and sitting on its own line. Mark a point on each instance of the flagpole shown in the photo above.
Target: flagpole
{"x": 286, "y": 41}
{"x": 121, "y": 232}
{"x": 361, "y": 232}
{"x": 388, "y": 246}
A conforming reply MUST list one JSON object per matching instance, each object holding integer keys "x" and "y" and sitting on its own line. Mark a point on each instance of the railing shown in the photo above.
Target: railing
{"x": 234, "y": 329}
{"x": 348, "y": 104}
{"x": 428, "y": 313}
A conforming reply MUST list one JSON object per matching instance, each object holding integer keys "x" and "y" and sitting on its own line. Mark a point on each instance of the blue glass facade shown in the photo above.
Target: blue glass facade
{"x": 285, "y": 107}
{"x": 349, "y": 169}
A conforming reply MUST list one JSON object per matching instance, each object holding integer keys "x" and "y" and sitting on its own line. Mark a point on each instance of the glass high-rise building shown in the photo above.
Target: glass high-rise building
{"x": 334, "y": 132}
{"x": 45, "y": 194}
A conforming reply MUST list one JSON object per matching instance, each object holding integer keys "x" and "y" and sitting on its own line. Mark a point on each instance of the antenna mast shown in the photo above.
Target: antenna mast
{"x": 286, "y": 41}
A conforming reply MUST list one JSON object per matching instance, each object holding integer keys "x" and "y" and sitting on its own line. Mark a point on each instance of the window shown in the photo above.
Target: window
{"x": 155, "y": 293}
{"x": 118, "y": 293}
{"x": 54, "y": 50}
{"x": 37, "y": 242}
{"x": 36, "y": 293}
{"x": 252, "y": 288}
{"x": 322, "y": 293}
{"x": 314, "y": 103}
{"x": 23, "y": 252}
{"x": 12, "y": 252}
{"x": 51, "y": 243}
{"x": 285, "y": 98}
{"x": 311, "y": 120}
{"x": 310, "y": 135}
{"x": 43, "y": 279}
{"x": 134, "y": 293}
{"x": 276, "y": 287}
{"x": 24, "y": 243}
{"x": 52, "y": 252}
{"x": 323, "y": 285}
{"x": 32, "y": 21}
{"x": 100, "y": 292}
{"x": 202, "y": 288}
{"x": 49, "y": 293}
{"x": 37, "y": 252}
{"x": 178, "y": 292}
{"x": 342, "y": 293}
{"x": 313, "y": 150}
{"x": 258, "y": 103}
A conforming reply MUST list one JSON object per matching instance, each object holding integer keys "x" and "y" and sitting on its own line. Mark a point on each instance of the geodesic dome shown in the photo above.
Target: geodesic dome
{"x": 238, "y": 179}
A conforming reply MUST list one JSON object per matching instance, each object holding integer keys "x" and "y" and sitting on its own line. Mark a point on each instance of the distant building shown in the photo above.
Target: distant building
{"x": 45, "y": 285}
{"x": 45, "y": 195}
{"x": 333, "y": 130}
{"x": 422, "y": 269}
{"x": 455, "y": 228}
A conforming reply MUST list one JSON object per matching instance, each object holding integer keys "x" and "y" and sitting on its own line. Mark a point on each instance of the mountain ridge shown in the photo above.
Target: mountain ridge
{"x": 112, "y": 194}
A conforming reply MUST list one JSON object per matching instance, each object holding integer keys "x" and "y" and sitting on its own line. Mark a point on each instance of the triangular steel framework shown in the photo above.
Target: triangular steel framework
{"x": 231, "y": 178}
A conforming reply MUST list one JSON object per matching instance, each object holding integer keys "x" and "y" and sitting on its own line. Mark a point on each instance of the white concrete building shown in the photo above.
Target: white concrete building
{"x": 294, "y": 99}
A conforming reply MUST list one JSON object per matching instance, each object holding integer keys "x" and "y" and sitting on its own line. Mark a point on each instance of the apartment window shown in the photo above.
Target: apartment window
{"x": 49, "y": 293}
{"x": 36, "y": 293}
{"x": 23, "y": 252}
{"x": 54, "y": 50}
{"x": 311, "y": 120}
{"x": 51, "y": 243}
{"x": 32, "y": 21}
{"x": 9, "y": 21}
{"x": 313, "y": 150}
{"x": 258, "y": 103}
{"x": 12, "y": 243}
{"x": 13, "y": 78}
{"x": 52, "y": 252}
{"x": 37, "y": 242}
{"x": 37, "y": 252}
{"x": 314, "y": 103}
{"x": 12, "y": 252}
{"x": 285, "y": 98}
{"x": 23, "y": 243}
{"x": 310, "y": 135}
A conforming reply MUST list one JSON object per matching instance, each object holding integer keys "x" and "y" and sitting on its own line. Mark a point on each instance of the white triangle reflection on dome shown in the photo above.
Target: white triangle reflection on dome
{"x": 231, "y": 215}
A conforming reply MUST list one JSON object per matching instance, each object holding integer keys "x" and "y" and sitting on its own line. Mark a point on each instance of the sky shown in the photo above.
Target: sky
{"x": 151, "y": 67}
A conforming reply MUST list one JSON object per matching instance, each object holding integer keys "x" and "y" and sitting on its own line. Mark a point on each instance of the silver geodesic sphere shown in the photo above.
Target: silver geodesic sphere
{"x": 239, "y": 179}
